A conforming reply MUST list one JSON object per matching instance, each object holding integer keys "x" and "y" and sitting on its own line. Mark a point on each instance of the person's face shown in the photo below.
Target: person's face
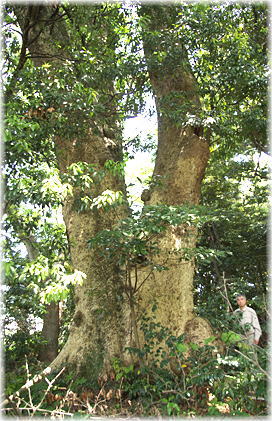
{"x": 241, "y": 301}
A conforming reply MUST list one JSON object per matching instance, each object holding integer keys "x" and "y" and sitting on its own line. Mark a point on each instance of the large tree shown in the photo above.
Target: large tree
{"x": 77, "y": 74}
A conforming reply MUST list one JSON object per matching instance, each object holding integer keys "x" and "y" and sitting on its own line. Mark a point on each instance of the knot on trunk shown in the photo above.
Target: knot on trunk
{"x": 78, "y": 318}
{"x": 145, "y": 196}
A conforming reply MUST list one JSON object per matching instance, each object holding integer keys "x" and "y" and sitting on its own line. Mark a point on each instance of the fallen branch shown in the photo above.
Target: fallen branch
{"x": 27, "y": 385}
{"x": 48, "y": 411}
{"x": 48, "y": 388}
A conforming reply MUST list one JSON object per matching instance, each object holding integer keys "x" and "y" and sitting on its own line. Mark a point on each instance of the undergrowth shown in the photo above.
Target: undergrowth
{"x": 222, "y": 376}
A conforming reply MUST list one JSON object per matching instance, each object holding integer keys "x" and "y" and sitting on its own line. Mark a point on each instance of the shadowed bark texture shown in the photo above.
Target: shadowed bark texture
{"x": 50, "y": 332}
{"x": 97, "y": 331}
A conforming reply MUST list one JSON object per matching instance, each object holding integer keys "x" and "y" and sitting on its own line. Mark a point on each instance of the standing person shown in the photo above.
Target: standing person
{"x": 249, "y": 320}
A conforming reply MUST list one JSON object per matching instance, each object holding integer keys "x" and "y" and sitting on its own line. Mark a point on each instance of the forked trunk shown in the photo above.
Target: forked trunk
{"x": 104, "y": 322}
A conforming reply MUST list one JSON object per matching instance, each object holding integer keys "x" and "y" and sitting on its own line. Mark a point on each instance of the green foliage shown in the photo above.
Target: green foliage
{"x": 186, "y": 375}
{"x": 239, "y": 188}
{"x": 138, "y": 235}
{"x": 99, "y": 79}
{"x": 225, "y": 46}
{"x": 177, "y": 378}
{"x": 230, "y": 62}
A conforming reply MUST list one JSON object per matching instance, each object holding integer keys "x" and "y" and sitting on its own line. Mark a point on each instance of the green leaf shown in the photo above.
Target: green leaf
{"x": 230, "y": 337}
{"x": 209, "y": 340}
{"x": 181, "y": 347}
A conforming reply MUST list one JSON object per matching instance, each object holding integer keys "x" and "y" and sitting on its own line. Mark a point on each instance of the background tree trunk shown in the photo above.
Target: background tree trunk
{"x": 51, "y": 320}
{"x": 50, "y": 333}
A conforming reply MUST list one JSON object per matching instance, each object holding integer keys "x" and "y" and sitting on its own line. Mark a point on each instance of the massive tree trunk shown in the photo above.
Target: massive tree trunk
{"x": 182, "y": 157}
{"x": 102, "y": 323}
{"x": 96, "y": 333}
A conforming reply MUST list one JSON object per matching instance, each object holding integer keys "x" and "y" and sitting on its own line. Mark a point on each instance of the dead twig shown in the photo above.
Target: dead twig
{"x": 53, "y": 412}
{"x": 97, "y": 402}
{"x": 226, "y": 292}
{"x": 36, "y": 379}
